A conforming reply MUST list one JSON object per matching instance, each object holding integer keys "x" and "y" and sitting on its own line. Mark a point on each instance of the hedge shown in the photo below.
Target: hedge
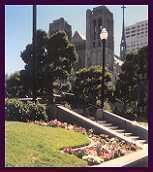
{"x": 17, "y": 110}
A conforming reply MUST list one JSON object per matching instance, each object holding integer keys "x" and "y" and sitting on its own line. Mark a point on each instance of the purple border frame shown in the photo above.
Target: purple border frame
{"x": 2, "y": 75}
{"x": 2, "y": 81}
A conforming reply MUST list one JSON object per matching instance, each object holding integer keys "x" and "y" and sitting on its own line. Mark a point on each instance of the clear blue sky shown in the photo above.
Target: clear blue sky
{"x": 18, "y": 25}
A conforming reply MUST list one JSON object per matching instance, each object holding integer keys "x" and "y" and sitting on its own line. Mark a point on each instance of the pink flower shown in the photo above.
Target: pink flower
{"x": 68, "y": 150}
{"x": 106, "y": 156}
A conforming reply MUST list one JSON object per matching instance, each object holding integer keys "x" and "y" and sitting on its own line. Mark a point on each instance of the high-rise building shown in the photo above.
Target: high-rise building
{"x": 95, "y": 19}
{"x": 60, "y": 25}
{"x": 136, "y": 36}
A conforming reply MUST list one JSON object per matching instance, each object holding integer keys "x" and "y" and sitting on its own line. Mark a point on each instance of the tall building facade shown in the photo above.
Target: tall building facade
{"x": 60, "y": 25}
{"x": 95, "y": 19}
{"x": 136, "y": 36}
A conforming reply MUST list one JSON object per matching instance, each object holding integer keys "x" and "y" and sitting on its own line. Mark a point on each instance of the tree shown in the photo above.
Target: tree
{"x": 87, "y": 86}
{"x": 60, "y": 61}
{"x": 142, "y": 82}
{"x": 41, "y": 56}
{"x": 54, "y": 61}
{"x": 131, "y": 87}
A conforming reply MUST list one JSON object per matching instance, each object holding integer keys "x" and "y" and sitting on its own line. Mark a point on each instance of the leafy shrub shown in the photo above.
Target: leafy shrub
{"x": 107, "y": 107}
{"x": 17, "y": 110}
{"x": 36, "y": 111}
{"x": 51, "y": 111}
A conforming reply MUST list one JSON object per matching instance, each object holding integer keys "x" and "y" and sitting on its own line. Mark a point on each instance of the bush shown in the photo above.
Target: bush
{"x": 107, "y": 107}
{"x": 36, "y": 111}
{"x": 51, "y": 111}
{"x": 17, "y": 110}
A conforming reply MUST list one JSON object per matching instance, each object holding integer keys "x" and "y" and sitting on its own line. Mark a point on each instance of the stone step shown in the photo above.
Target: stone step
{"x": 134, "y": 137}
{"x": 107, "y": 124}
{"x": 101, "y": 122}
{"x": 141, "y": 141}
{"x": 113, "y": 127}
{"x": 119, "y": 130}
{"x": 128, "y": 134}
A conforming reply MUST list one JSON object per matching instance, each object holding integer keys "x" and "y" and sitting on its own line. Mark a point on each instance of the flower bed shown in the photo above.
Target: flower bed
{"x": 65, "y": 125}
{"x": 101, "y": 148}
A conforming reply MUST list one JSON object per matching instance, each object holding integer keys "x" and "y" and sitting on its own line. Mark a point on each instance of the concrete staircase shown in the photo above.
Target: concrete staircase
{"x": 114, "y": 126}
{"x": 125, "y": 132}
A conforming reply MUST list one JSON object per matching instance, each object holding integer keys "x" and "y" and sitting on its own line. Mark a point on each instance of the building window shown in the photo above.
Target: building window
{"x": 99, "y": 25}
{"x": 133, "y": 34}
{"x": 94, "y": 29}
{"x": 133, "y": 31}
{"x": 99, "y": 44}
{"x": 94, "y": 45}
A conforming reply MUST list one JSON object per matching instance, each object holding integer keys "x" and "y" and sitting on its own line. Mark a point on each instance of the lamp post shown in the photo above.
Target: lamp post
{"x": 103, "y": 37}
{"x": 34, "y": 51}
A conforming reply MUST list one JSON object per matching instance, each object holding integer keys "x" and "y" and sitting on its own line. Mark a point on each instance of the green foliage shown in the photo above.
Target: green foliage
{"x": 87, "y": 85}
{"x": 36, "y": 111}
{"x": 29, "y": 145}
{"x": 132, "y": 86}
{"x": 14, "y": 85}
{"x": 61, "y": 57}
{"x": 51, "y": 111}
{"x": 107, "y": 107}
{"x": 28, "y": 59}
{"x": 54, "y": 61}
{"x": 17, "y": 110}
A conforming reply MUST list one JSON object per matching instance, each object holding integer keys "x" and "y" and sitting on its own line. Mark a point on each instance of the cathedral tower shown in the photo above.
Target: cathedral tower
{"x": 95, "y": 19}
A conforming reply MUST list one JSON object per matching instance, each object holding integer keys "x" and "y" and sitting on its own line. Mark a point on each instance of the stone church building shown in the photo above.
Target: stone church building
{"x": 89, "y": 47}
{"x": 60, "y": 25}
{"x": 79, "y": 41}
{"x": 95, "y": 19}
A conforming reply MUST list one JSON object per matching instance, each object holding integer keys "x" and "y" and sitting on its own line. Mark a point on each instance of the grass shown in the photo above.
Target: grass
{"x": 30, "y": 145}
{"x": 144, "y": 124}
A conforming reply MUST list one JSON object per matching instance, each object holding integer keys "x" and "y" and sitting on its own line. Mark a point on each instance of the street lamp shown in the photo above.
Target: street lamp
{"x": 103, "y": 37}
{"x": 34, "y": 51}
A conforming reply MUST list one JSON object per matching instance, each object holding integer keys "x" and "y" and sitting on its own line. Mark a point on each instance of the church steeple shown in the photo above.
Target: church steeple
{"x": 123, "y": 40}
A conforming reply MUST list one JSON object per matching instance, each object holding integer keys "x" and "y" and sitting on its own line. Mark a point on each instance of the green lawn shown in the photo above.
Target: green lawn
{"x": 144, "y": 124}
{"x": 38, "y": 146}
